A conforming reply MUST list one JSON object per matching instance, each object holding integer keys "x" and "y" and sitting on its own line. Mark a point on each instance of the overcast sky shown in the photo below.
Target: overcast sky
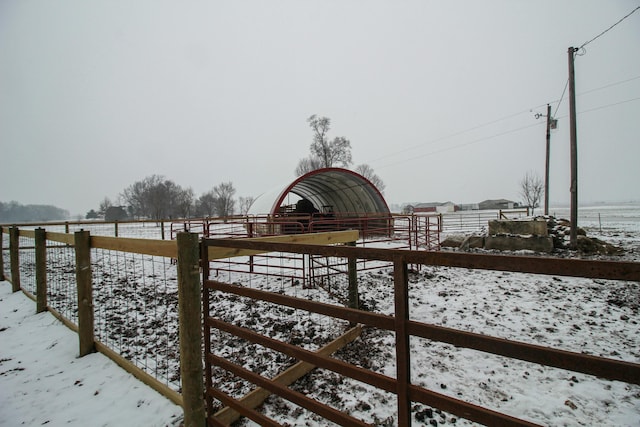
{"x": 439, "y": 97}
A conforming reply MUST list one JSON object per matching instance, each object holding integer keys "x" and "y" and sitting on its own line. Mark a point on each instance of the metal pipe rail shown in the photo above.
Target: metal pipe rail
{"x": 404, "y": 328}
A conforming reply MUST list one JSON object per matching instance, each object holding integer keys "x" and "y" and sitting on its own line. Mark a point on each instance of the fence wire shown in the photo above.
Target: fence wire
{"x": 135, "y": 299}
{"x": 6, "y": 263}
{"x": 136, "y": 310}
{"x": 27, "y": 258}
{"x": 62, "y": 291}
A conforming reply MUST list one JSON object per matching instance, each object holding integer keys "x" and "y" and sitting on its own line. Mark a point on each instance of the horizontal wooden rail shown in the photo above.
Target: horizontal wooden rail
{"x": 327, "y": 238}
{"x": 164, "y": 248}
{"x": 239, "y": 407}
{"x": 27, "y": 233}
{"x": 61, "y": 237}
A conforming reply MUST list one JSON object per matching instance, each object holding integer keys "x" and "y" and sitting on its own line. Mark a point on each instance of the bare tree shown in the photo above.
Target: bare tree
{"x": 137, "y": 196}
{"x": 158, "y": 198}
{"x": 183, "y": 202}
{"x": 308, "y": 164}
{"x": 245, "y": 204}
{"x": 531, "y": 190}
{"x": 324, "y": 153}
{"x": 367, "y": 171}
{"x": 224, "y": 199}
{"x": 206, "y": 204}
{"x": 104, "y": 205}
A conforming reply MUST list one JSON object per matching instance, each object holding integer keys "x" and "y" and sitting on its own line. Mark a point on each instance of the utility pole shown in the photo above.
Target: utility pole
{"x": 551, "y": 124}
{"x": 546, "y": 163}
{"x": 573, "y": 235}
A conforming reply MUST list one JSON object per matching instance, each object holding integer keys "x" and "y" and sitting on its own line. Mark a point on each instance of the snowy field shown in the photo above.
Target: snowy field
{"x": 43, "y": 382}
{"x": 582, "y": 315}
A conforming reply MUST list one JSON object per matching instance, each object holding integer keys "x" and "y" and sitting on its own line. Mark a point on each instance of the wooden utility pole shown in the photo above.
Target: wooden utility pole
{"x": 573, "y": 236}
{"x": 546, "y": 164}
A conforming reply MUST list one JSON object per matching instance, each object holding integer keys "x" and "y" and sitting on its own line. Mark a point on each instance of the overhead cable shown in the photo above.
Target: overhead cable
{"x": 608, "y": 29}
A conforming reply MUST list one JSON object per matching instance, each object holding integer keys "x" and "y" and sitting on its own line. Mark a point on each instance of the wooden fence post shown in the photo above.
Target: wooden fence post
{"x": 14, "y": 256}
{"x": 403, "y": 356}
{"x": 190, "y": 318}
{"x": 82, "y": 242}
{"x": 1, "y": 254}
{"x": 352, "y": 266}
{"x": 41, "y": 269}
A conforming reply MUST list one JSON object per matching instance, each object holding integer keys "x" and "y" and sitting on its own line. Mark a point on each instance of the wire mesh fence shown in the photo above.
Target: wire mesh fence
{"x": 4, "y": 253}
{"x": 135, "y": 298}
{"x": 27, "y": 264}
{"x": 136, "y": 310}
{"x": 62, "y": 292}
{"x": 143, "y": 229}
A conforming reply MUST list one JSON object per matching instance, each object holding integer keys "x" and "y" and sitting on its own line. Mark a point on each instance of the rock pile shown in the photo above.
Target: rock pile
{"x": 560, "y": 230}
{"x": 540, "y": 234}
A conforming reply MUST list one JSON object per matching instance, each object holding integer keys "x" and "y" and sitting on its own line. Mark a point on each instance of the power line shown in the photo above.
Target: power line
{"x": 486, "y": 138}
{"x": 591, "y": 90}
{"x": 449, "y": 136}
{"x": 581, "y": 48}
{"x": 610, "y": 28}
{"x": 454, "y": 147}
{"x": 600, "y": 107}
{"x": 561, "y": 97}
{"x": 609, "y": 85}
{"x": 442, "y": 138}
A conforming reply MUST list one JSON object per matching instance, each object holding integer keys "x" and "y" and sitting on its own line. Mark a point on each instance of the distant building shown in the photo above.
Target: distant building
{"x": 435, "y": 207}
{"x": 469, "y": 206}
{"x": 498, "y": 204}
{"x": 115, "y": 213}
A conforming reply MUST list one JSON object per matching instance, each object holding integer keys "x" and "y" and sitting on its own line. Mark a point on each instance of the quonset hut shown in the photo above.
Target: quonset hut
{"x": 325, "y": 199}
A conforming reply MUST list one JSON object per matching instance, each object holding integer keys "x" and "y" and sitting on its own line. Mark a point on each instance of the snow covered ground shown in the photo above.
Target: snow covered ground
{"x": 39, "y": 368}
{"x": 43, "y": 382}
{"x": 597, "y": 317}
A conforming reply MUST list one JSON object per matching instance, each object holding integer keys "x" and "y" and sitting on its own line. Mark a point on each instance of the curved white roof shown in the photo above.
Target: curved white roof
{"x": 344, "y": 190}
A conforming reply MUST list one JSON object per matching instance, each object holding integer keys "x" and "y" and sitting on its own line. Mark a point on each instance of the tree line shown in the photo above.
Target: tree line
{"x": 16, "y": 212}
{"x": 156, "y": 197}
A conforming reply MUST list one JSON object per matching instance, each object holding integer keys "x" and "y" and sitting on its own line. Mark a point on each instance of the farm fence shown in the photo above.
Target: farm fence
{"x": 144, "y": 297}
{"x": 119, "y": 294}
{"x": 281, "y": 345}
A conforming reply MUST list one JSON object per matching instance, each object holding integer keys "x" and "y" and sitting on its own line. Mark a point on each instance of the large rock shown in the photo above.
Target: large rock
{"x": 519, "y": 243}
{"x": 453, "y": 241}
{"x": 591, "y": 245}
{"x": 528, "y": 227}
{"x": 472, "y": 242}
